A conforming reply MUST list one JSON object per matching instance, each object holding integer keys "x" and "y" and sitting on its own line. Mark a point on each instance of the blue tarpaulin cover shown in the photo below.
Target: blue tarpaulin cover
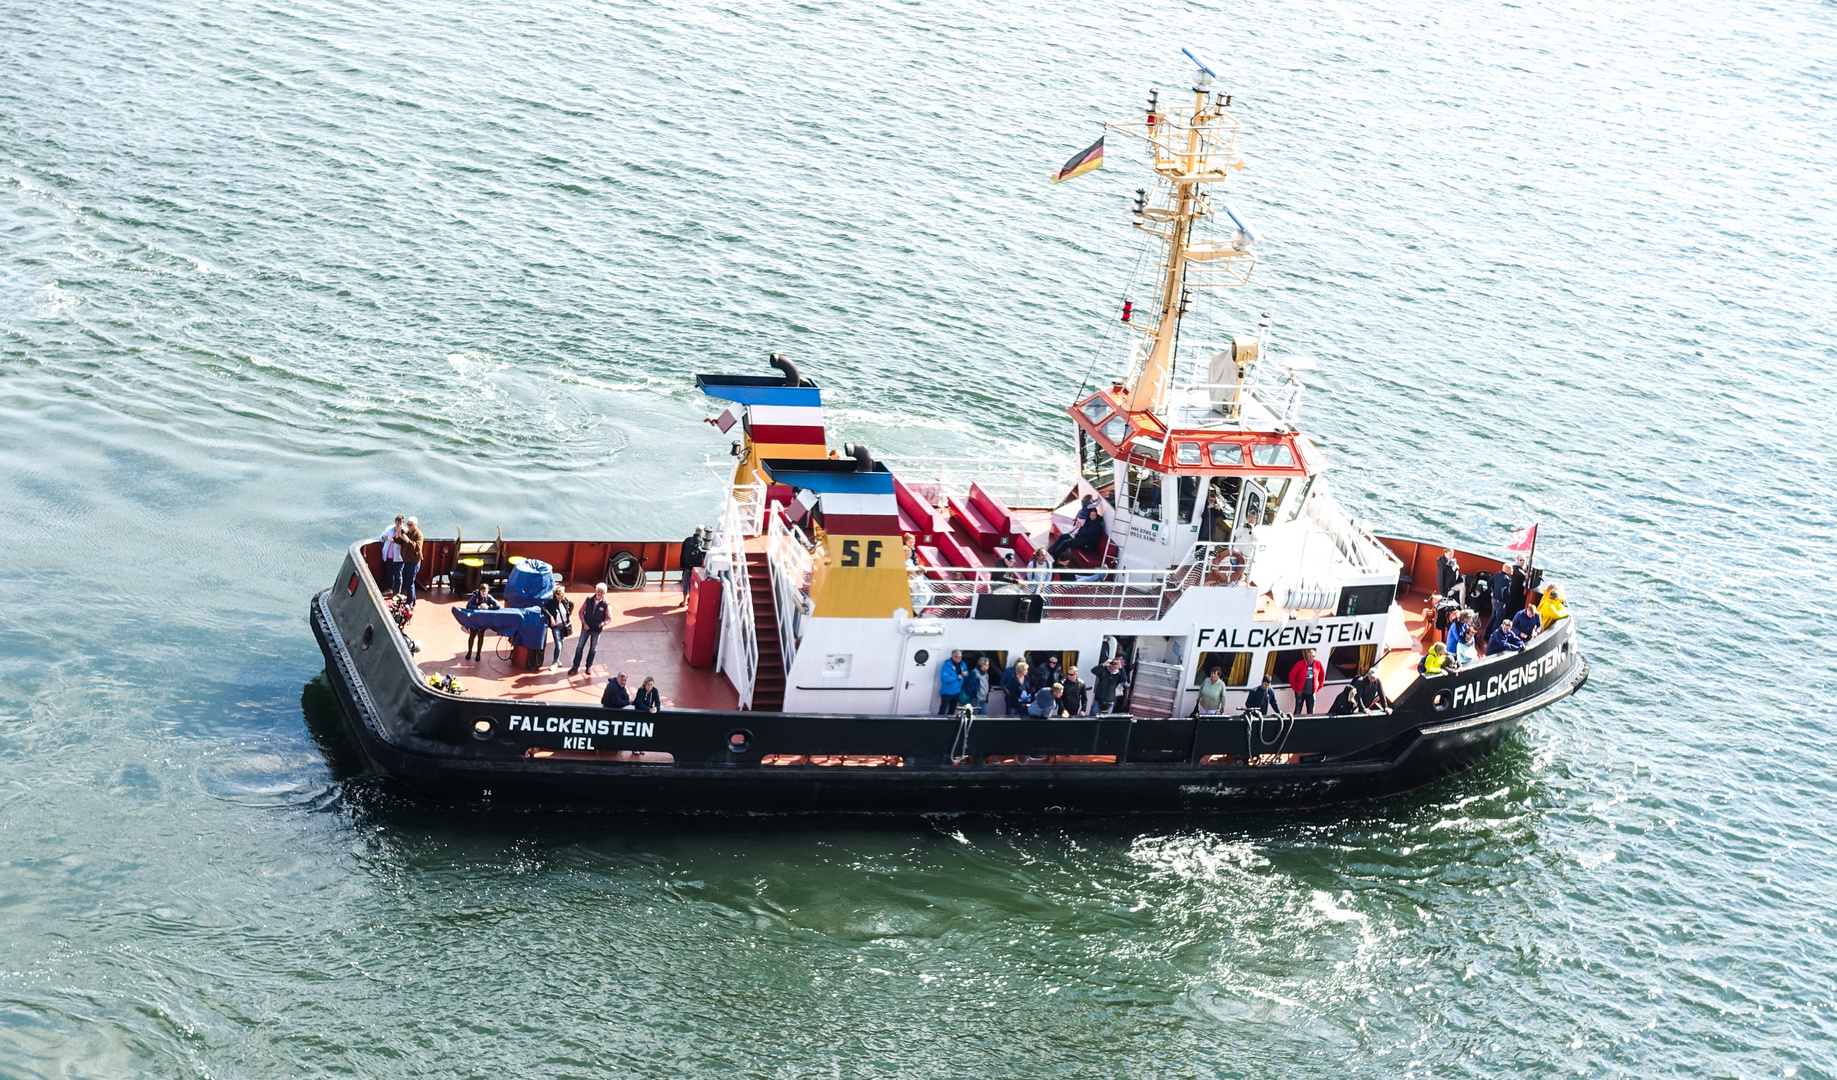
{"x": 530, "y": 582}
{"x": 523, "y": 626}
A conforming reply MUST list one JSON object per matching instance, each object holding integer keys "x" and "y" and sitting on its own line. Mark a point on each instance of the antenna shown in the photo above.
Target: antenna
{"x": 1202, "y": 79}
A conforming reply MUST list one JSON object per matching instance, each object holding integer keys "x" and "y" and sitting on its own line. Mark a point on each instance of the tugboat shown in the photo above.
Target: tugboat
{"x": 1189, "y": 560}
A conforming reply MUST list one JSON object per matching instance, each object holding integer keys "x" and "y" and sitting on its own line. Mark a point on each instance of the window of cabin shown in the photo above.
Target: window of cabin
{"x": 1300, "y": 500}
{"x": 1281, "y": 663}
{"x": 1187, "y": 453}
{"x": 1278, "y": 456}
{"x": 1098, "y": 467}
{"x": 1274, "y": 488}
{"x": 1142, "y": 493}
{"x": 1236, "y": 667}
{"x": 1096, "y": 409}
{"x": 1227, "y": 454}
{"x": 1188, "y": 488}
{"x": 998, "y": 662}
{"x": 1218, "y": 509}
{"x": 1116, "y": 430}
{"x": 1348, "y": 661}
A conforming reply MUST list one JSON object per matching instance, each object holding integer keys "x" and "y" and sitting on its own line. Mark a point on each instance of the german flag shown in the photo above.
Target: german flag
{"x": 1091, "y": 157}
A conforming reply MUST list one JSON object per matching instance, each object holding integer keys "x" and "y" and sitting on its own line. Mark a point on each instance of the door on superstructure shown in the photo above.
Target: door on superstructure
{"x": 916, "y": 693}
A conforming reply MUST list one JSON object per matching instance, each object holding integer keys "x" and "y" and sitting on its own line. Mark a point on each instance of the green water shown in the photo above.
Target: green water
{"x": 271, "y": 274}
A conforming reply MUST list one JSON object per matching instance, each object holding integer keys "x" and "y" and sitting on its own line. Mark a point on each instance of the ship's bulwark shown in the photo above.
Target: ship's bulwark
{"x": 428, "y": 741}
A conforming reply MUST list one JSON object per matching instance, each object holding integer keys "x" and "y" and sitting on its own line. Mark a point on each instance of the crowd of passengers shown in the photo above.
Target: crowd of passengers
{"x": 1485, "y": 614}
{"x": 1047, "y": 689}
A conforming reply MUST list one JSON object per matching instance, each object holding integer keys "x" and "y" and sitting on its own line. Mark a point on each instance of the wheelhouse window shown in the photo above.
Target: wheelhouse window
{"x": 1096, "y": 464}
{"x": 1274, "y": 489}
{"x": 1187, "y": 453}
{"x": 1218, "y": 509}
{"x": 1225, "y": 454}
{"x": 1300, "y": 499}
{"x": 1096, "y": 409}
{"x": 1278, "y": 456}
{"x": 1188, "y": 488}
{"x": 1142, "y": 493}
{"x": 1116, "y": 430}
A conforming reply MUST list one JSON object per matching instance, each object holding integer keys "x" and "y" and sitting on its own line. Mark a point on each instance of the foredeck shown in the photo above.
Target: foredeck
{"x": 644, "y": 637}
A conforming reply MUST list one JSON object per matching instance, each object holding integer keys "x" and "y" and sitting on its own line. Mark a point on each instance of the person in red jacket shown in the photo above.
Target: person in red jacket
{"x": 1304, "y": 678}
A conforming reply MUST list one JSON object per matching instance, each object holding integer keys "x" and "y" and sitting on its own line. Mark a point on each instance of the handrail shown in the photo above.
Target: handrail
{"x": 737, "y": 600}
{"x": 1085, "y": 594}
{"x": 1019, "y": 482}
{"x": 790, "y": 556}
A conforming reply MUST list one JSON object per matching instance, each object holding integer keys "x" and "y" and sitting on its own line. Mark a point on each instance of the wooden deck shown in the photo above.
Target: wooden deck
{"x": 644, "y": 637}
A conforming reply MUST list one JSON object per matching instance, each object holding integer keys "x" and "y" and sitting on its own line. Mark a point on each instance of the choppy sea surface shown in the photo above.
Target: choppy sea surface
{"x": 272, "y": 272}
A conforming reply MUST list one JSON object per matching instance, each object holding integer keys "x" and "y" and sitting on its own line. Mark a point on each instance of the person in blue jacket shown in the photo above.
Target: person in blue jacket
{"x": 1528, "y": 622}
{"x": 1263, "y": 698}
{"x": 1503, "y": 640}
{"x": 950, "y": 683}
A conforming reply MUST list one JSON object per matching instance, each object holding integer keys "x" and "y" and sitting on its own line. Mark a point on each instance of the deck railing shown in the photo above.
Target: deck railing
{"x": 792, "y": 558}
{"x": 1018, "y": 482}
{"x": 740, "y": 634}
{"x": 951, "y": 592}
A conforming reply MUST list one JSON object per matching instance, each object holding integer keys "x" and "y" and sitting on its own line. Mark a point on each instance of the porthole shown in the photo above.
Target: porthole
{"x": 369, "y": 636}
{"x": 921, "y": 658}
{"x": 483, "y": 729}
{"x": 740, "y": 741}
{"x": 1442, "y": 700}
{"x": 350, "y": 587}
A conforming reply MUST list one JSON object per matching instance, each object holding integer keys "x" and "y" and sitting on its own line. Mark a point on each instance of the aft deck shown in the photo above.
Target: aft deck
{"x": 643, "y": 637}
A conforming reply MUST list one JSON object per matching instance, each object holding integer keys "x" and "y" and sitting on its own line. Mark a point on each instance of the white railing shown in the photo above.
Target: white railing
{"x": 1252, "y": 403}
{"x": 1019, "y": 482}
{"x": 950, "y": 592}
{"x": 792, "y": 558}
{"x": 740, "y": 633}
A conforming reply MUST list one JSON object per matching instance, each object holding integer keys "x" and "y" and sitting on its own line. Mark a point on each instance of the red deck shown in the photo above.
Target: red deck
{"x": 644, "y": 637}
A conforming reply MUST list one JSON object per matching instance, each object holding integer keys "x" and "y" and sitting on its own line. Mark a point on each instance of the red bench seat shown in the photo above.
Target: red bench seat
{"x": 987, "y": 534}
{"x": 917, "y": 517}
{"x": 954, "y": 553}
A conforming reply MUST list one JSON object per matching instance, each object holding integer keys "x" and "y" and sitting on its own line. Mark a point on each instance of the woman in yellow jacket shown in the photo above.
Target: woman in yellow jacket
{"x": 1551, "y": 607}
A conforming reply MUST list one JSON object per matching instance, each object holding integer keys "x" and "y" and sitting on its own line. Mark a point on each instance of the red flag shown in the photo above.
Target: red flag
{"x": 1523, "y": 540}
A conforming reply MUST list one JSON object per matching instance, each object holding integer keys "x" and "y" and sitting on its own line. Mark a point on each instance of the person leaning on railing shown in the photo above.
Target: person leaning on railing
{"x": 1262, "y": 699}
{"x": 1552, "y": 607}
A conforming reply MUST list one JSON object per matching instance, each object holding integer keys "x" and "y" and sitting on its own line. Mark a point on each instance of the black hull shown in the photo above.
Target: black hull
{"x": 424, "y": 740}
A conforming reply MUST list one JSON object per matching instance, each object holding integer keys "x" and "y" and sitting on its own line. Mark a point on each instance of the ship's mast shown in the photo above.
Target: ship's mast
{"x": 1193, "y": 147}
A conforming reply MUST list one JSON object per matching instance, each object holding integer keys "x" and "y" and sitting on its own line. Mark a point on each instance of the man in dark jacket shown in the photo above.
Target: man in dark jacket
{"x": 1503, "y": 641}
{"x": 1521, "y": 583}
{"x": 694, "y": 553}
{"x": 594, "y": 614}
{"x": 617, "y": 696}
{"x": 1502, "y": 593}
{"x": 1077, "y": 695}
{"x": 1112, "y": 679}
{"x": 1263, "y": 699}
{"x": 1371, "y": 692}
{"x": 1448, "y": 575}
